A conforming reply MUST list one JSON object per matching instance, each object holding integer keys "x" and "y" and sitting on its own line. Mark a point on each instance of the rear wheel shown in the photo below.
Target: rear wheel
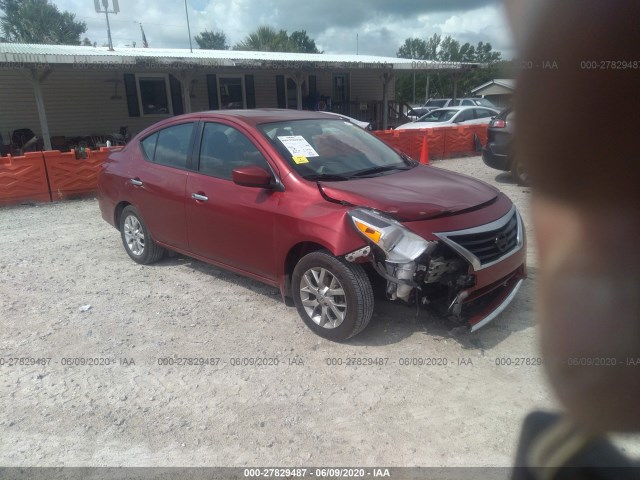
{"x": 136, "y": 238}
{"x": 333, "y": 296}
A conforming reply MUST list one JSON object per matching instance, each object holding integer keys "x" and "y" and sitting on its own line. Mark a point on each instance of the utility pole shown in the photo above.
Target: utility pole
{"x": 106, "y": 11}
{"x": 188, "y": 26}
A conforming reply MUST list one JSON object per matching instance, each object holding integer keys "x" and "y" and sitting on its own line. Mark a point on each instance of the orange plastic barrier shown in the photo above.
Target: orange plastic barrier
{"x": 70, "y": 176}
{"x": 441, "y": 141}
{"x": 406, "y": 141}
{"x": 435, "y": 137}
{"x": 482, "y": 132}
{"x": 459, "y": 140}
{"x": 23, "y": 178}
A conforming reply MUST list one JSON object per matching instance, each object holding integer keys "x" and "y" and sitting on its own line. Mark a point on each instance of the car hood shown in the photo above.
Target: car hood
{"x": 417, "y": 194}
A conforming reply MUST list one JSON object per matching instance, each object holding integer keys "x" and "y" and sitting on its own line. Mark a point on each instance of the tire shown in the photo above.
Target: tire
{"x": 519, "y": 173}
{"x": 335, "y": 317}
{"x": 136, "y": 238}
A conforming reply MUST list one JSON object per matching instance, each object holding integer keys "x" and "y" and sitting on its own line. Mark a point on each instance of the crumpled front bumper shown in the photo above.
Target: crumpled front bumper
{"x": 480, "y": 307}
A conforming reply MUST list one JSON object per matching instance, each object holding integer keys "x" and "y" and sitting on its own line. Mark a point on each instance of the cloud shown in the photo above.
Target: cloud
{"x": 381, "y": 26}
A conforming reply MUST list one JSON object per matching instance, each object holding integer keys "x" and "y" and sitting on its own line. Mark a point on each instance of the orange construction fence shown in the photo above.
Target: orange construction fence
{"x": 50, "y": 175}
{"x": 23, "y": 179}
{"x": 70, "y": 176}
{"x": 442, "y": 142}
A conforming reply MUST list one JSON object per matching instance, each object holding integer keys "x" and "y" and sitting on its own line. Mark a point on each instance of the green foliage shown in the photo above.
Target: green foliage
{"x": 210, "y": 40}
{"x": 38, "y": 21}
{"x": 302, "y": 43}
{"x": 268, "y": 39}
{"x": 447, "y": 49}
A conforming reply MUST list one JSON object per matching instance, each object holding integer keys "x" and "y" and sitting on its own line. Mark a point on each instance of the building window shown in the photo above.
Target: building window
{"x": 231, "y": 91}
{"x": 154, "y": 94}
{"x": 292, "y": 92}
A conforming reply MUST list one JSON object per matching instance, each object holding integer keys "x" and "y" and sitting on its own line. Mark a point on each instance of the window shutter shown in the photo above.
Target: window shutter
{"x": 313, "y": 85}
{"x": 212, "y": 91}
{"x": 282, "y": 99}
{"x": 176, "y": 95}
{"x": 250, "y": 91}
{"x": 132, "y": 94}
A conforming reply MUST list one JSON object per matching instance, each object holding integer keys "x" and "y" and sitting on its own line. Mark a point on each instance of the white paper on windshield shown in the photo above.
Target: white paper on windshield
{"x": 298, "y": 146}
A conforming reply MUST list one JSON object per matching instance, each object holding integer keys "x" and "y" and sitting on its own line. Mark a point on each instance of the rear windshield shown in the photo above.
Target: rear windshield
{"x": 436, "y": 103}
{"x": 483, "y": 102}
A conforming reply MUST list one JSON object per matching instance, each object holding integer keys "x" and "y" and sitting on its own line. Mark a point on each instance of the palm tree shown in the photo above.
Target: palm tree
{"x": 266, "y": 39}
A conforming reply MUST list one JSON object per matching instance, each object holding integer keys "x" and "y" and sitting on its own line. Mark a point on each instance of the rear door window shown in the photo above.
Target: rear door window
{"x": 169, "y": 146}
{"x": 465, "y": 116}
{"x": 484, "y": 113}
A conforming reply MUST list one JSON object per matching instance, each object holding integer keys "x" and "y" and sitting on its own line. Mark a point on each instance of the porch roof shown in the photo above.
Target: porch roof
{"x": 20, "y": 54}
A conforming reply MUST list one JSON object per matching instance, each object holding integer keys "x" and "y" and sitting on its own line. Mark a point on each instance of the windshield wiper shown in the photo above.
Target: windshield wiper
{"x": 377, "y": 170}
{"x": 329, "y": 177}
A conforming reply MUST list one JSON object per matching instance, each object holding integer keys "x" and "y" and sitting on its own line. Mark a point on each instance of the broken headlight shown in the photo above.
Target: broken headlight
{"x": 399, "y": 244}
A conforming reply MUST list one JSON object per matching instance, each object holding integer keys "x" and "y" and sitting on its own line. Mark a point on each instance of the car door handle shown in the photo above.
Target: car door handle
{"x": 136, "y": 181}
{"x": 197, "y": 196}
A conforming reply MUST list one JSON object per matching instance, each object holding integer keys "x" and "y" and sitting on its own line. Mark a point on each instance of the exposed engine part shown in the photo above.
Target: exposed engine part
{"x": 380, "y": 269}
{"x": 455, "y": 308}
{"x": 360, "y": 253}
{"x": 404, "y": 271}
{"x": 403, "y": 274}
{"x": 441, "y": 266}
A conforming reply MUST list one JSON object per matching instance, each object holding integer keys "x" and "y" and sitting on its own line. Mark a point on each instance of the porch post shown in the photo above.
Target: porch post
{"x": 36, "y": 80}
{"x": 298, "y": 77}
{"x": 455, "y": 77}
{"x": 185, "y": 87}
{"x": 386, "y": 78}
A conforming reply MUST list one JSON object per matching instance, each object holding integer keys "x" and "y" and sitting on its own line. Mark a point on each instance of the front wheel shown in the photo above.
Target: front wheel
{"x": 333, "y": 297}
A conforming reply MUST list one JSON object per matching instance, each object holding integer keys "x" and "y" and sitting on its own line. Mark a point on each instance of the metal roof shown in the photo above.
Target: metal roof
{"x": 22, "y": 54}
{"x": 503, "y": 82}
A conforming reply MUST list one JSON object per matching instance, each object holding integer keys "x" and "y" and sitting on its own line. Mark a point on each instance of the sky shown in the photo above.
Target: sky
{"x": 368, "y": 27}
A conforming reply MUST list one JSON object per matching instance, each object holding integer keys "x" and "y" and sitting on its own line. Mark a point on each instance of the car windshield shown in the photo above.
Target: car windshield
{"x": 333, "y": 149}
{"x": 441, "y": 115}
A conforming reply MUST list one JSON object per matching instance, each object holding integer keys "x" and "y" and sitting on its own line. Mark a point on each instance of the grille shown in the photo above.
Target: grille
{"x": 489, "y": 243}
{"x": 490, "y": 246}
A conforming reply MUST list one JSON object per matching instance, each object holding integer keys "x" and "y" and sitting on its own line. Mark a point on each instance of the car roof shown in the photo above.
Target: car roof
{"x": 467, "y": 107}
{"x": 261, "y": 115}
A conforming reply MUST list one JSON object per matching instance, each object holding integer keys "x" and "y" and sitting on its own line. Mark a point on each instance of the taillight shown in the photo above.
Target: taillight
{"x": 499, "y": 123}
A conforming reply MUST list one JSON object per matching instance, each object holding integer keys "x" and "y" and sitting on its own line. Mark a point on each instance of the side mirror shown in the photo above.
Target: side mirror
{"x": 252, "y": 176}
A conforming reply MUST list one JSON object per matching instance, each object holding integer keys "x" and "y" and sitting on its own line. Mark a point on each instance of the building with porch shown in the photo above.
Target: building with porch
{"x": 63, "y": 91}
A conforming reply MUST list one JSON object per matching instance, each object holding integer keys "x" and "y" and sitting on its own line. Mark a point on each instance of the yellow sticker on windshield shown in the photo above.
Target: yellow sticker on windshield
{"x": 300, "y": 160}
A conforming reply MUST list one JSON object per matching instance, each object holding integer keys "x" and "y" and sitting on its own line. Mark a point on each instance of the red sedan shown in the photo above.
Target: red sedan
{"x": 320, "y": 208}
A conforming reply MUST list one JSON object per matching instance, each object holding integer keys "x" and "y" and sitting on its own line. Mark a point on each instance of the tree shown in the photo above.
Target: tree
{"x": 302, "y": 43}
{"x": 268, "y": 39}
{"x": 38, "y": 21}
{"x": 265, "y": 39}
{"x": 210, "y": 40}
{"x": 447, "y": 49}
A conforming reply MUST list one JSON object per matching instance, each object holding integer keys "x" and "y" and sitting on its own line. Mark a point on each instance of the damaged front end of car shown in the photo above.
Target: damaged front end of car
{"x": 442, "y": 274}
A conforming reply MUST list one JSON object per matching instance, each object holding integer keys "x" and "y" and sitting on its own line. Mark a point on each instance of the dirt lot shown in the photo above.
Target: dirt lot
{"x": 69, "y": 291}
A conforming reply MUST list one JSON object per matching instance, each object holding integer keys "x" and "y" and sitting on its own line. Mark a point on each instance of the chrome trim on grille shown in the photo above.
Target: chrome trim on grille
{"x": 495, "y": 225}
{"x": 499, "y": 309}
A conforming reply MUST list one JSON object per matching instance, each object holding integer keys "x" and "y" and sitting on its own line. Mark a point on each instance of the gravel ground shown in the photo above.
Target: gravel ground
{"x": 70, "y": 291}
